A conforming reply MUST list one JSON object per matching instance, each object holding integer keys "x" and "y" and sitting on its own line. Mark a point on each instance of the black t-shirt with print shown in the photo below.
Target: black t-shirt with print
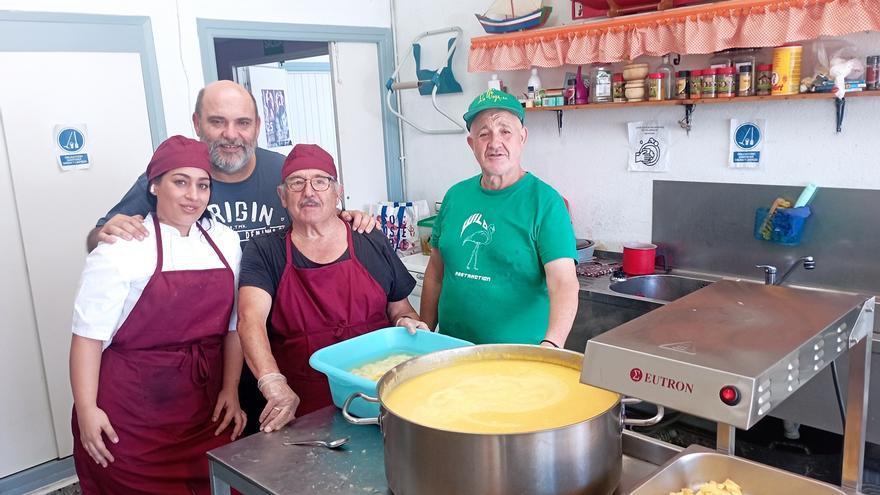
{"x": 264, "y": 259}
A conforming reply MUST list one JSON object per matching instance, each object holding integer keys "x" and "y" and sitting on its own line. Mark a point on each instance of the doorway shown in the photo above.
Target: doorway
{"x": 317, "y": 84}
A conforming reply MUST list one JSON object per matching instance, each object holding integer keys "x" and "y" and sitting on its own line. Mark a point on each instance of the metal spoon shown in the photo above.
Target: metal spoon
{"x": 332, "y": 444}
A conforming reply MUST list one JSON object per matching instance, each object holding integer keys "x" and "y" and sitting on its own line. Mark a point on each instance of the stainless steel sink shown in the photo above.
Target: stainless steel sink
{"x": 661, "y": 287}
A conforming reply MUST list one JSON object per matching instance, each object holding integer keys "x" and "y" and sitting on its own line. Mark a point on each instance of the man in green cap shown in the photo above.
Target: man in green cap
{"x": 503, "y": 265}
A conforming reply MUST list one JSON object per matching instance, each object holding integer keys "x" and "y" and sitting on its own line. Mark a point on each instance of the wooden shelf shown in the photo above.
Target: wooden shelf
{"x": 690, "y": 105}
{"x": 701, "y": 101}
{"x": 697, "y": 29}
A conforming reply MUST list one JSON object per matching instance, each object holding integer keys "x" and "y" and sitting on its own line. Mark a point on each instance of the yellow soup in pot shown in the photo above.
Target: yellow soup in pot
{"x": 498, "y": 396}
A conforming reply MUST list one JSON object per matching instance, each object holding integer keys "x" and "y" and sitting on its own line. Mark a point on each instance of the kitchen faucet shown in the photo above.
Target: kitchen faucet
{"x": 770, "y": 270}
{"x": 791, "y": 429}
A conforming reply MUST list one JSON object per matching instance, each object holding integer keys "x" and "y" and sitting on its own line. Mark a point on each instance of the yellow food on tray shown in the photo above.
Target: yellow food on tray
{"x": 375, "y": 370}
{"x": 713, "y": 488}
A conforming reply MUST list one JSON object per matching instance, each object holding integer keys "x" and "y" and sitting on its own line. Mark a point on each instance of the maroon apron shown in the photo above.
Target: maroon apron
{"x": 159, "y": 382}
{"x": 317, "y": 307}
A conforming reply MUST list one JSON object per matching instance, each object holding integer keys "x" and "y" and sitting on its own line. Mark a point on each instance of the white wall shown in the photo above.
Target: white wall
{"x": 588, "y": 163}
{"x": 176, "y": 38}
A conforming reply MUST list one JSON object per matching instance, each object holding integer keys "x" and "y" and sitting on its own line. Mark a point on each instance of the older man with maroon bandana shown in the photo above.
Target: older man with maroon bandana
{"x": 313, "y": 285}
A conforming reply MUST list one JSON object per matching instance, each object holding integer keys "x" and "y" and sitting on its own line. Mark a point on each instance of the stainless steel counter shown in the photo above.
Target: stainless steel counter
{"x": 260, "y": 464}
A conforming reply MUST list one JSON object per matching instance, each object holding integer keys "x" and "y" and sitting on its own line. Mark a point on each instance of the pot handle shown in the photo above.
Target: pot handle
{"x": 358, "y": 421}
{"x": 642, "y": 422}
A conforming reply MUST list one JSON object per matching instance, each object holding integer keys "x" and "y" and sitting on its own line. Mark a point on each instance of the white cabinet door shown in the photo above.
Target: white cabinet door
{"x": 54, "y": 210}
{"x": 356, "y": 87}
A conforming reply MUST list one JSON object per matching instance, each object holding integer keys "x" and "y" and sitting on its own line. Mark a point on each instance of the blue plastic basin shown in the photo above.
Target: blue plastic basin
{"x": 336, "y": 360}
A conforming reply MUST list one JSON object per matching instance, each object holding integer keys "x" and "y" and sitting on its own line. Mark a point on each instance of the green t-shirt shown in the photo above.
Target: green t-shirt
{"x": 494, "y": 246}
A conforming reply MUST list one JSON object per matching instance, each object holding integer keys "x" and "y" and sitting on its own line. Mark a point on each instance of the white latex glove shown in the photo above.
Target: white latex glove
{"x": 281, "y": 403}
{"x": 411, "y": 324}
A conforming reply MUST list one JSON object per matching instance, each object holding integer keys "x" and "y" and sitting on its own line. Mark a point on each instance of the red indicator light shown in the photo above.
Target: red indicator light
{"x": 729, "y": 395}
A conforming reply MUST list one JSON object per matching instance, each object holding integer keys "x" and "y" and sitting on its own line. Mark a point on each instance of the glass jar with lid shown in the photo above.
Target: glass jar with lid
{"x": 600, "y": 78}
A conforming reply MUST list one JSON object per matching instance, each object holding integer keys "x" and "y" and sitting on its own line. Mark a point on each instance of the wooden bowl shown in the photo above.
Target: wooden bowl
{"x": 635, "y": 72}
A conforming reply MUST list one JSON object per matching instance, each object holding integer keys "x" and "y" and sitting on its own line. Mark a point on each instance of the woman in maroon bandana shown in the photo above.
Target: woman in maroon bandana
{"x": 155, "y": 360}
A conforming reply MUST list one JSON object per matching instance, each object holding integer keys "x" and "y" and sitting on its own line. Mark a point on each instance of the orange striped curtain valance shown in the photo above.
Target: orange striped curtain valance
{"x": 694, "y": 30}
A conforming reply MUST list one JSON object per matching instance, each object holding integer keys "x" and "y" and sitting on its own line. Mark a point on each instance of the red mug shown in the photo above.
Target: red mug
{"x": 638, "y": 258}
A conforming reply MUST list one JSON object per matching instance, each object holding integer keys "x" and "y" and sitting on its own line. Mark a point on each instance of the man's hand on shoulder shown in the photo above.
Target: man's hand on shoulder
{"x": 360, "y": 221}
{"x": 119, "y": 226}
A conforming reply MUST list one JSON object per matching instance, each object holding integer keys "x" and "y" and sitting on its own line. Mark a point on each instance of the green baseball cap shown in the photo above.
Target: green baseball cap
{"x": 493, "y": 98}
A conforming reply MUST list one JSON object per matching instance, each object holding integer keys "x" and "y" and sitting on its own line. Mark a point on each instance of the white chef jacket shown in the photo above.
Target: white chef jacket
{"x": 115, "y": 274}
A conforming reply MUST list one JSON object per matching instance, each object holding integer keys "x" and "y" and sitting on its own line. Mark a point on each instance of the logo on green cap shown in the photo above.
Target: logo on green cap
{"x": 493, "y": 98}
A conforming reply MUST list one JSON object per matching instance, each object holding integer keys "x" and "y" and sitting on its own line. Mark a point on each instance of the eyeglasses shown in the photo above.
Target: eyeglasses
{"x": 320, "y": 183}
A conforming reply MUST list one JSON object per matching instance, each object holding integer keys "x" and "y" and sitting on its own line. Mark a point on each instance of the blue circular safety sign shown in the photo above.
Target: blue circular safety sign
{"x": 70, "y": 139}
{"x": 747, "y": 136}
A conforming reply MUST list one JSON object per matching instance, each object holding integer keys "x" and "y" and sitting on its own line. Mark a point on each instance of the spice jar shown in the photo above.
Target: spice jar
{"x": 655, "y": 86}
{"x": 765, "y": 80}
{"x": 695, "y": 92}
{"x": 709, "y": 83}
{"x": 745, "y": 81}
{"x": 682, "y": 84}
{"x": 618, "y": 86}
{"x": 872, "y": 73}
{"x": 724, "y": 85}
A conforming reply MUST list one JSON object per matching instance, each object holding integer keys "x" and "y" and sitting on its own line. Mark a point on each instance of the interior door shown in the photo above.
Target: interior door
{"x": 25, "y": 418}
{"x": 358, "y": 95}
{"x": 54, "y": 211}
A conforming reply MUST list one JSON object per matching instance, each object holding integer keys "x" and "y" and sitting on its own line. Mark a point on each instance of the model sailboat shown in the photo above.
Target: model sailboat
{"x": 505, "y": 16}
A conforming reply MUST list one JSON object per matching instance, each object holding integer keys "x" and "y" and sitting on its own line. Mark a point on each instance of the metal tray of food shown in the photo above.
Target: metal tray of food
{"x": 697, "y": 465}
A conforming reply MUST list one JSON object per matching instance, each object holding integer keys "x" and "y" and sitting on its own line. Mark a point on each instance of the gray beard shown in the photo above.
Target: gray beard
{"x": 230, "y": 166}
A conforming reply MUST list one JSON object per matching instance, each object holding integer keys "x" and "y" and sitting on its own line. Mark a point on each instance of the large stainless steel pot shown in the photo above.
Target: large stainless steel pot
{"x": 583, "y": 458}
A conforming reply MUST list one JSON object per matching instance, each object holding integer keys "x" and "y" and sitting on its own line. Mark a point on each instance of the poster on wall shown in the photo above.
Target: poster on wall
{"x": 71, "y": 146}
{"x": 275, "y": 121}
{"x": 747, "y": 142}
{"x": 648, "y": 146}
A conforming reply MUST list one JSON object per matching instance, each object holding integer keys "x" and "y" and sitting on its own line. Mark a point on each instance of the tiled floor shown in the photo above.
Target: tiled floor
{"x": 68, "y": 490}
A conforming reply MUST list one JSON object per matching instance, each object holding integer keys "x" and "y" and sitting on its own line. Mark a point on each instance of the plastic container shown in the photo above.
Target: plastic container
{"x": 746, "y": 57}
{"x": 581, "y": 93}
{"x": 535, "y": 80}
{"x": 495, "y": 83}
{"x": 618, "y": 87}
{"x": 337, "y": 360}
{"x": 695, "y": 92}
{"x": 786, "y": 226}
{"x": 682, "y": 84}
{"x": 656, "y": 86}
{"x": 426, "y": 228}
{"x": 764, "y": 84}
{"x": 709, "y": 83}
{"x": 872, "y": 73}
{"x": 787, "y": 70}
{"x": 745, "y": 86}
{"x": 725, "y": 85}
